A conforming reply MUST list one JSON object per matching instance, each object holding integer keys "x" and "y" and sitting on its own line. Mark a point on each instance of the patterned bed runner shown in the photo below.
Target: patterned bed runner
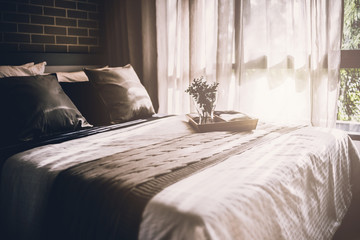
{"x": 105, "y": 198}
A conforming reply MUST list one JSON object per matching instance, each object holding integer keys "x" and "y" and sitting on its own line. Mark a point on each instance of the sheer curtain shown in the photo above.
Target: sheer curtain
{"x": 291, "y": 58}
{"x": 194, "y": 38}
{"x": 275, "y": 59}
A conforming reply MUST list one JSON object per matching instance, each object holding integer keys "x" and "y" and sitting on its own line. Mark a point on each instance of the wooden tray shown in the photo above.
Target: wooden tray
{"x": 225, "y": 121}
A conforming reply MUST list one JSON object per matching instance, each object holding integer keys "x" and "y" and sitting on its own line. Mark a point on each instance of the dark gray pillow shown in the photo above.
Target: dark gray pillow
{"x": 122, "y": 93}
{"x": 36, "y": 106}
{"x": 87, "y": 100}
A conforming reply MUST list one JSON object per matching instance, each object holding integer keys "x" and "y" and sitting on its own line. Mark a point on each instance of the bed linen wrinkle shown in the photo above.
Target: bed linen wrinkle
{"x": 36, "y": 169}
{"x": 182, "y": 147}
{"x": 257, "y": 215}
{"x": 132, "y": 183}
{"x": 29, "y": 174}
{"x": 225, "y": 198}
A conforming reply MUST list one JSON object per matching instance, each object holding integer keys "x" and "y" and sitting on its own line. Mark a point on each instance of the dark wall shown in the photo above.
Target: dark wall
{"x": 50, "y": 26}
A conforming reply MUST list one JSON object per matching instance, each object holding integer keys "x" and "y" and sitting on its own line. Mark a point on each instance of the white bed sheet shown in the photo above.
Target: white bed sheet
{"x": 280, "y": 191}
{"x": 27, "y": 177}
{"x": 296, "y": 187}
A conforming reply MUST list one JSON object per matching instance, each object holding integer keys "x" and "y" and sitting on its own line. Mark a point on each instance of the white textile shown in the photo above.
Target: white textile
{"x": 296, "y": 187}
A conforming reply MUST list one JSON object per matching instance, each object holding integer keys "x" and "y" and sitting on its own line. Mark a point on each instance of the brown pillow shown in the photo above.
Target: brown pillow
{"x": 36, "y": 106}
{"x": 122, "y": 93}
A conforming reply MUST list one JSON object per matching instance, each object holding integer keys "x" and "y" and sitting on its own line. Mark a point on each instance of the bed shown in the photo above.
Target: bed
{"x": 128, "y": 173}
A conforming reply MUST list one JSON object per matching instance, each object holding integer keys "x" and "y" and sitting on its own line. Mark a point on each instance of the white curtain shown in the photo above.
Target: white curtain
{"x": 194, "y": 38}
{"x": 275, "y": 59}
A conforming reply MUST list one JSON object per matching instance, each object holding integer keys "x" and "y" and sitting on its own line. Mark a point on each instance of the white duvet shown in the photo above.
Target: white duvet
{"x": 298, "y": 186}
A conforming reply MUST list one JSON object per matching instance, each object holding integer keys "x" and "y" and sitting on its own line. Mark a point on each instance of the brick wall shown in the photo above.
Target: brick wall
{"x": 53, "y": 26}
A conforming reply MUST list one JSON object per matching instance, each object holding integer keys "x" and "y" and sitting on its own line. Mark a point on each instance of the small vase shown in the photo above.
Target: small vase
{"x": 206, "y": 111}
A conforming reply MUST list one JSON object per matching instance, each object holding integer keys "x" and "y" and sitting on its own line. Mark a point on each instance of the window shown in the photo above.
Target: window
{"x": 349, "y": 96}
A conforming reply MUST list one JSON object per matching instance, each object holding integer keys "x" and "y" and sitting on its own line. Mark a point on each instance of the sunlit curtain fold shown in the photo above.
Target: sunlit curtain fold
{"x": 291, "y": 58}
{"x": 275, "y": 59}
{"x": 194, "y": 38}
{"x": 275, "y": 76}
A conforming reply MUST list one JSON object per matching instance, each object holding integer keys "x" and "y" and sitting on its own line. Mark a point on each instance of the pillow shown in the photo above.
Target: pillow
{"x": 38, "y": 69}
{"x": 13, "y": 70}
{"x": 35, "y": 106}
{"x": 122, "y": 93}
{"x": 28, "y": 69}
{"x": 26, "y": 64}
{"x": 87, "y": 100}
{"x": 72, "y": 76}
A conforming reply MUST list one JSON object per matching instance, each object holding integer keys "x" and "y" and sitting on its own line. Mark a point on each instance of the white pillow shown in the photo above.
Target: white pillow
{"x": 5, "y": 69}
{"x": 29, "y": 69}
{"x": 38, "y": 69}
{"x": 79, "y": 76}
{"x": 28, "y": 64}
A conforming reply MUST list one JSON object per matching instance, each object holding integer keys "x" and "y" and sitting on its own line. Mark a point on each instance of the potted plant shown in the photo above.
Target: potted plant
{"x": 204, "y": 96}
